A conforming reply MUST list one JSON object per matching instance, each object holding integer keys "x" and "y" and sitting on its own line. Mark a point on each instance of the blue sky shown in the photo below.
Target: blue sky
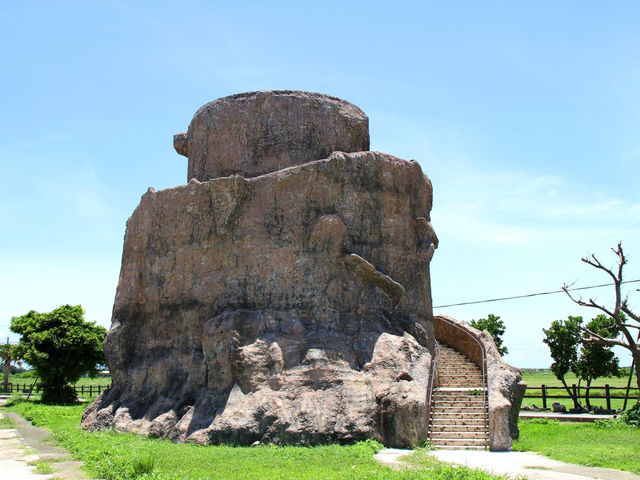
{"x": 525, "y": 115}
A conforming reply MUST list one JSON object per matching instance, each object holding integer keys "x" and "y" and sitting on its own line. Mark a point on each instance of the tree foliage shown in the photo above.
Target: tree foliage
{"x": 572, "y": 352}
{"x": 495, "y": 327}
{"x": 596, "y": 359}
{"x": 8, "y": 354}
{"x": 563, "y": 338}
{"x": 61, "y": 346}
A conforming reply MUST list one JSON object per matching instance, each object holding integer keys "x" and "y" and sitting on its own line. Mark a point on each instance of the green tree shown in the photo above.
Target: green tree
{"x": 8, "y": 356}
{"x": 62, "y": 347}
{"x": 627, "y": 321}
{"x": 563, "y": 338}
{"x": 597, "y": 359}
{"x": 495, "y": 327}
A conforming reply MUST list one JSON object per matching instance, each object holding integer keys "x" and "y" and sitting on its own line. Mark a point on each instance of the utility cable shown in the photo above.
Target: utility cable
{"x": 531, "y": 295}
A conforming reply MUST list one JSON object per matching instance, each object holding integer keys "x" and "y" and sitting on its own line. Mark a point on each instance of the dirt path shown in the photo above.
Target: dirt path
{"x": 25, "y": 443}
{"x": 513, "y": 465}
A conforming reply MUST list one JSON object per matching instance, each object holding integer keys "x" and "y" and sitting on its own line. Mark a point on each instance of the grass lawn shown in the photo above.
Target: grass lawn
{"x": 111, "y": 456}
{"x": 590, "y": 444}
{"x": 538, "y": 377}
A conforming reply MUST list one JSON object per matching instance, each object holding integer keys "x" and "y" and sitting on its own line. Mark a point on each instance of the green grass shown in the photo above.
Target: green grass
{"x": 537, "y": 377}
{"x": 6, "y": 423}
{"x": 42, "y": 467}
{"x": 421, "y": 459}
{"x": 30, "y": 376}
{"x": 601, "y": 444}
{"x": 113, "y": 456}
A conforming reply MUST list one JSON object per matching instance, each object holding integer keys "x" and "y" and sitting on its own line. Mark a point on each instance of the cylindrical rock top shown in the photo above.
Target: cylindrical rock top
{"x": 255, "y": 133}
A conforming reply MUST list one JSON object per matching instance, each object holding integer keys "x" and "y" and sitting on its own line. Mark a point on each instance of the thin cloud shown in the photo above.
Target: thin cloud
{"x": 519, "y": 207}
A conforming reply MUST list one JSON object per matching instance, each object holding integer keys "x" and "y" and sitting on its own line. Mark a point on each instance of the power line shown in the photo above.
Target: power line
{"x": 529, "y": 295}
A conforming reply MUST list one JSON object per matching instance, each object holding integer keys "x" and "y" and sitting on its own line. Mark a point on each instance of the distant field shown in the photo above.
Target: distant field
{"x": 538, "y": 377}
{"x": 29, "y": 377}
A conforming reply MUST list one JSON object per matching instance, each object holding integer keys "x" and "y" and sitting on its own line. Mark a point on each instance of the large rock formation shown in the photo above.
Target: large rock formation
{"x": 283, "y": 294}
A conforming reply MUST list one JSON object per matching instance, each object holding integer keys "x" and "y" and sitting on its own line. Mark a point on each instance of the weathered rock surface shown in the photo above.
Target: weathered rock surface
{"x": 260, "y": 132}
{"x": 292, "y": 306}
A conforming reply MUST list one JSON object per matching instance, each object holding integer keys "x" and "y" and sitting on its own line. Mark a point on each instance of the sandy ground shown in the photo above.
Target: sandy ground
{"x": 514, "y": 465}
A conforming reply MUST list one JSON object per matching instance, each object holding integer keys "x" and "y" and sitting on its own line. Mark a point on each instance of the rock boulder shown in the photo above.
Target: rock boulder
{"x": 260, "y": 132}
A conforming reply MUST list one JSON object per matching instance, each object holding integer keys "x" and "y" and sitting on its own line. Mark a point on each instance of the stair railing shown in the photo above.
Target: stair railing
{"x": 432, "y": 379}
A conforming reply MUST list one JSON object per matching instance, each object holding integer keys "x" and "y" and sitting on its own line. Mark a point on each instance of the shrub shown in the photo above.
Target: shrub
{"x": 632, "y": 416}
{"x": 609, "y": 423}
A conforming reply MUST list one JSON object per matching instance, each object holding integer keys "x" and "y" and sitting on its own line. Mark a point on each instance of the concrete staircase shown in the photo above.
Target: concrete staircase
{"x": 458, "y": 417}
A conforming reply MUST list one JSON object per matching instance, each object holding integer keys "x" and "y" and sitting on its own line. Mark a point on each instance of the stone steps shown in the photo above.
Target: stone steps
{"x": 460, "y": 383}
{"x": 456, "y": 420}
{"x": 479, "y": 428}
{"x": 463, "y": 409}
{"x": 455, "y": 402}
{"x": 461, "y": 373}
{"x": 459, "y": 417}
{"x": 459, "y": 434}
{"x": 457, "y": 374}
{"x": 463, "y": 447}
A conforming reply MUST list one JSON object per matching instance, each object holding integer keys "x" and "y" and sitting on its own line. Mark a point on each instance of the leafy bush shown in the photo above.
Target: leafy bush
{"x": 632, "y": 416}
{"x": 609, "y": 423}
{"x": 371, "y": 446}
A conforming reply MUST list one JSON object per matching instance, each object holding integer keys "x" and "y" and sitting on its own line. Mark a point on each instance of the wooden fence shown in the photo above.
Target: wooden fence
{"x": 607, "y": 392}
{"x": 89, "y": 390}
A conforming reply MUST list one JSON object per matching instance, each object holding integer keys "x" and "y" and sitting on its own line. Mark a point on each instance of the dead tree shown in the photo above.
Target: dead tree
{"x": 625, "y": 320}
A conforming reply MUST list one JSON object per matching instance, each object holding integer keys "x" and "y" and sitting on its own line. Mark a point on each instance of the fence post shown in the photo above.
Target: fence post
{"x": 90, "y": 390}
{"x": 544, "y": 396}
{"x": 606, "y": 390}
{"x": 575, "y": 391}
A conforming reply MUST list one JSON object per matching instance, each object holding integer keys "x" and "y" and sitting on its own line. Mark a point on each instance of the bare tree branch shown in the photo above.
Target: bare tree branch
{"x": 621, "y": 313}
{"x": 590, "y": 303}
{"x": 629, "y": 313}
{"x": 594, "y": 337}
